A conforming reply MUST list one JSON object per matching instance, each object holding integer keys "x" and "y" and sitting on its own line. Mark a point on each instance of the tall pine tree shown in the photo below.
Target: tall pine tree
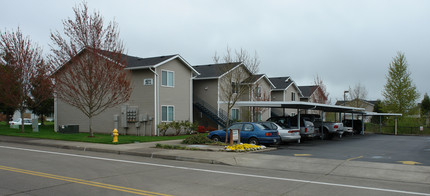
{"x": 400, "y": 94}
{"x": 425, "y": 105}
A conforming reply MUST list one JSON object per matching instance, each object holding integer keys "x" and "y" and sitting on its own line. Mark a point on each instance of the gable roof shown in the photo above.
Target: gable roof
{"x": 214, "y": 71}
{"x": 153, "y": 62}
{"x": 282, "y": 83}
{"x": 308, "y": 90}
{"x": 257, "y": 77}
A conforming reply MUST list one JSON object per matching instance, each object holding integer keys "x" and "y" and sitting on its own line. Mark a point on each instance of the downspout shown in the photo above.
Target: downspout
{"x": 191, "y": 97}
{"x": 155, "y": 102}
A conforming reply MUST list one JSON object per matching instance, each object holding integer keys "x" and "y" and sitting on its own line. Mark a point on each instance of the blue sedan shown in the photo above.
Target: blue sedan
{"x": 252, "y": 133}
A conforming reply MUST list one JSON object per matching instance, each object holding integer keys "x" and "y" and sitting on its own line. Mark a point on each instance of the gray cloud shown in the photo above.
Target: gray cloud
{"x": 344, "y": 42}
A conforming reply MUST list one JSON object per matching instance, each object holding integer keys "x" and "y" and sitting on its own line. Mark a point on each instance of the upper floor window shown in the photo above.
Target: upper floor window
{"x": 167, "y": 78}
{"x": 293, "y": 96}
{"x": 234, "y": 87}
{"x": 259, "y": 91}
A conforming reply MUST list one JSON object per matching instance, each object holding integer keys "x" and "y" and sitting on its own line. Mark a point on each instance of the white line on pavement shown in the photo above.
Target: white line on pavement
{"x": 221, "y": 172}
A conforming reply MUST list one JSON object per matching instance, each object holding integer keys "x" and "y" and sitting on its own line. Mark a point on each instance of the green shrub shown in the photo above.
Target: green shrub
{"x": 197, "y": 139}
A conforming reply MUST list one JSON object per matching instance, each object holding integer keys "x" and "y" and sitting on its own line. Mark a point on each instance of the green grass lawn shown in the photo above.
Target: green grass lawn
{"x": 47, "y": 132}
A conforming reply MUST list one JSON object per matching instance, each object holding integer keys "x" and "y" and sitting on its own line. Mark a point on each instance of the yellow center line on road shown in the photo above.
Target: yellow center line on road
{"x": 302, "y": 155}
{"x": 350, "y": 159}
{"x": 85, "y": 182}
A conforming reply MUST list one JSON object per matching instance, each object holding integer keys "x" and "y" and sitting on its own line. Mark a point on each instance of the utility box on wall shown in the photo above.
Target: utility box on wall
{"x": 124, "y": 116}
{"x": 132, "y": 114}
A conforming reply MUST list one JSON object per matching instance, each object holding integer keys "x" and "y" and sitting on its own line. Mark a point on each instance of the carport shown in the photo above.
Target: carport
{"x": 318, "y": 106}
{"x": 380, "y": 119}
{"x": 301, "y": 106}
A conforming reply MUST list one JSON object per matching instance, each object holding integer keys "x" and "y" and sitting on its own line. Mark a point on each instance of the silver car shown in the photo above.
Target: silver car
{"x": 286, "y": 134}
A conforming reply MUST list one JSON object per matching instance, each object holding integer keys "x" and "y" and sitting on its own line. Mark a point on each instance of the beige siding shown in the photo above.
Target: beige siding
{"x": 142, "y": 97}
{"x": 206, "y": 90}
{"x": 178, "y": 96}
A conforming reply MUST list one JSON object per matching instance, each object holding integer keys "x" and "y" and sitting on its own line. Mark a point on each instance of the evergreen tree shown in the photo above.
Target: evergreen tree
{"x": 399, "y": 92}
{"x": 378, "y": 109}
{"x": 425, "y": 105}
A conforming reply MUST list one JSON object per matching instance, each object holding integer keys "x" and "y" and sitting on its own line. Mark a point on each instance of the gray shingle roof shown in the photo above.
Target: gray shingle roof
{"x": 307, "y": 90}
{"x": 137, "y": 62}
{"x": 252, "y": 79}
{"x": 281, "y": 83}
{"x": 134, "y": 62}
{"x": 213, "y": 70}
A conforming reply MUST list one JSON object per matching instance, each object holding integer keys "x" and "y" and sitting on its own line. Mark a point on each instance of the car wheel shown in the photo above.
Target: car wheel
{"x": 253, "y": 141}
{"x": 326, "y": 135}
{"x": 216, "y": 138}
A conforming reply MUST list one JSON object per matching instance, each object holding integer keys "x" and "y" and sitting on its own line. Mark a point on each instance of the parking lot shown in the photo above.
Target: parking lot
{"x": 413, "y": 150}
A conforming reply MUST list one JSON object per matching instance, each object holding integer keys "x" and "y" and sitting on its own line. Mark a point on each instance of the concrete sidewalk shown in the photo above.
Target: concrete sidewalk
{"x": 212, "y": 155}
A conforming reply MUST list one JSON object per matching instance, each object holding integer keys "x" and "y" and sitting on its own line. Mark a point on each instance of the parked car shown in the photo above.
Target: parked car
{"x": 252, "y": 133}
{"x": 329, "y": 129}
{"x": 355, "y": 124}
{"x": 307, "y": 129}
{"x": 286, "y": 134}
{"x": 18, "y": 121}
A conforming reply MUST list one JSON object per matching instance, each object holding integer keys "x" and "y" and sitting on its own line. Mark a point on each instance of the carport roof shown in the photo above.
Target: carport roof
{"x": 300, "y": 105}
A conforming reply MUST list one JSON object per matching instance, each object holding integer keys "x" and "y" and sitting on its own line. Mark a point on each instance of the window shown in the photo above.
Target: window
{"x": 259, "y": 116}
{"x": 234, "y": 87}
{"x": 235, "y": 114}
{"x": 167, "y": 113}
{"x": 236, "y": 126}
{"x": 293, "y": 96}
{"x": 259, "y": 92}
{"x": 167, "y": 78}
{"x": 248, "y": 127}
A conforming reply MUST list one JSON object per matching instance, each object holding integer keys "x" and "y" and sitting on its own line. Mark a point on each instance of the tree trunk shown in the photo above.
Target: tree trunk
{"x": 91, "y": 123}
{"x": 22, "y": 121}
{"x": 42, "y": 120}
{"x": 227, "y": 124}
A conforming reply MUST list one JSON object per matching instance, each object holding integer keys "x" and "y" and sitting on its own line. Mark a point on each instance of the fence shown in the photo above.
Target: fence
{"x": 401, "y": 130}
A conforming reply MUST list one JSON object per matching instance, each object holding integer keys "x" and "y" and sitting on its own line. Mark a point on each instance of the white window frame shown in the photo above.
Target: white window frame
{"x": 167, "y": 115}
{"x": 238, "y": 113}
{"x": 259, "y": 91}
{"x": 234, "y": 87}
{"x": 293, "y": 96}
{"x": 172, "y": 80}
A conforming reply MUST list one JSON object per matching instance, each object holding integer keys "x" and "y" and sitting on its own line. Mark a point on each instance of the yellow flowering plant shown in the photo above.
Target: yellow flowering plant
{"x": 243, "y": 147}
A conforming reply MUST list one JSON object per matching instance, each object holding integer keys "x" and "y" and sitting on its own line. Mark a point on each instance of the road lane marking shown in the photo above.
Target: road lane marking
{"x": 350, "y": 159}
{"x": 84, "y": 182}
{"x": 302, "y": 155}
{"x": 220, "y": 172}
{"x": 409, "y": 162}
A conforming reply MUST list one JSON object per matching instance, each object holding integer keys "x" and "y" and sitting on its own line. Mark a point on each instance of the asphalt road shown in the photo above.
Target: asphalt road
{"x": 31, "y": 170}
{"x": 370, "y": 147}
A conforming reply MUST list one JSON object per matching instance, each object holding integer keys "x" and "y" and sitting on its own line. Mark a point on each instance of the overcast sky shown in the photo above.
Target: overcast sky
{"x": 344, "y": 42}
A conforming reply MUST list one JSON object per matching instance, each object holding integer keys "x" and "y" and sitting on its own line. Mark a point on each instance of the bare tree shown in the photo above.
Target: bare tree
{"x": 23, "y": 64}
{"x": 91, "y": 74}
{"x": 259, "y": 95}
{"x": 357, "y": 95}
{"x": 321, "y": 94}
{"x": 231, "y": 89}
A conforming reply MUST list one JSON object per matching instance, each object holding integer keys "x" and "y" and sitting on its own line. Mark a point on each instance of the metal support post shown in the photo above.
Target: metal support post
{"x": 362, "y": 123}
{"x": 395, "y": 126}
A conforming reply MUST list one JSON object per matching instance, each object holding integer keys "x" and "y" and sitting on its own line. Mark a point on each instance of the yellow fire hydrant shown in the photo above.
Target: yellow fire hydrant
{"x": 115, "y": 136}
